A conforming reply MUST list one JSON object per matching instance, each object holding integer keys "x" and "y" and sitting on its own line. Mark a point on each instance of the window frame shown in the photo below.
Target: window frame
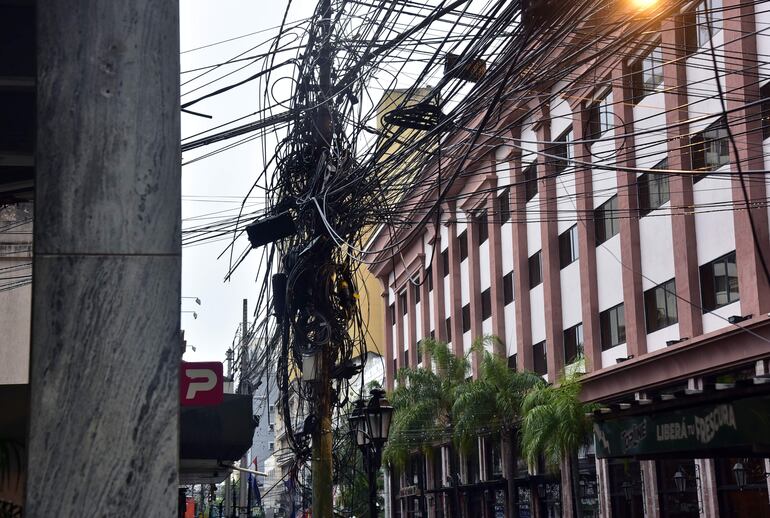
{"x": 578, "y": 346}
{"x": 466, "y": 318}
{"x": 644, "y": 189}
{"x": 600, "y": 117}
{"x": 764, "y": 94}
{"x": 504, "y": 206}
{"x": 508, "y": 296}
{"x": 649, "y": 64}
{"x": 568, "y": 245}
{"x": 529, "y": 175}
{"x": 537, "y": 259}
{"x": 482, "y": 222}
{"x": 463, "y": 245}
{"x": 651, "y": 300}
{"x": 448, "y": 323}
{"x": 707, "y": 304}
{"x": 429, "y": 277}
{"x": 404, "y": 302}
{"x": 486, "y": 304}
{"x": 606, "y": 317}
{"x": 699, "y": 149}
{"x": 535, "y": 358}
{"x": 708, "y": 21}
{"x": 562, "y": 148}
{"x": 601, "y": 221}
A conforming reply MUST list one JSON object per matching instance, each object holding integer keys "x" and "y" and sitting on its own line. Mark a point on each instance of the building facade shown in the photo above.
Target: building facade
{"x": 614, "y": 222}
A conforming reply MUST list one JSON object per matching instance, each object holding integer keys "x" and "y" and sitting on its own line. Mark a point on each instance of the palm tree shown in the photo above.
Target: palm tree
{"x": 555, "y": 425}
{"x": 492, "y": 404}
{"x": 423, "y": 403}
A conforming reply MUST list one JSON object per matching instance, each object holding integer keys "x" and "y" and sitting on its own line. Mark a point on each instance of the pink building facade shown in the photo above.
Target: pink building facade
{"x": 560, "y": 237}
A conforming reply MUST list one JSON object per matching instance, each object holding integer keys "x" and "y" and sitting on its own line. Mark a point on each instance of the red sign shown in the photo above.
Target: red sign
{"x": 202, "y": 383}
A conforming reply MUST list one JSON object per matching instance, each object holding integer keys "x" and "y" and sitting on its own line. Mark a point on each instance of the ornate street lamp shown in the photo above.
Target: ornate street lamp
{"x": 627, "y": 489}
{"x": 740, "y": 475}
{"x": 370, "y": 425}
{"x": 680, "y": 480}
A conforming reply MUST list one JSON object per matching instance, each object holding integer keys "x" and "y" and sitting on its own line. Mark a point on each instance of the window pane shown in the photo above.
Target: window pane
{"x": 463, "y": 238}
{"x": 508, "y": 288}
{"x": 671, "y": 308}
{"x": 486, "y": 304}
{"x": 530, "y": 180}
{"x": 482, "y": 223}
{"x": 621, "y": 312}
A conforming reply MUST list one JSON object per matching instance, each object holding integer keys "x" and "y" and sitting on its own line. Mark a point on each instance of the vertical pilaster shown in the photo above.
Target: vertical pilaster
{"x": 589, "y": 291}
{"x": 474, "y": 284}
{"x": 603, "y": 479}
{"x": 630, "y": 252}
{"x": 399, "y": 330}
{"x": 388, "y": 353}
{"x": 455, "y": 297}
{"x": 425, "y": 313}
{"x": 549, "y": 241}
{"x": 439, "y": 315}
{"x": 520, "y": 261}
{"x": 412, "y": 316}
{"x": 105, "y": 348}
{"x": 751, "y": 244}
{"x": 494, "y": 230}
{"x": 680, "y": 186}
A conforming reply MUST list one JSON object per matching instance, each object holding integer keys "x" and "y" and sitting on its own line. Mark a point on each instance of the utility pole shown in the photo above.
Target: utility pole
{"x": 228, "y": 493}
{"x": 321, "y": 465}
{"x": 244, "y": 389}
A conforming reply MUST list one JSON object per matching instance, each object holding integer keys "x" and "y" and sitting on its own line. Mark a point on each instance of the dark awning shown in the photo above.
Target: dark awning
{"x": 736, "y": 428}
{"x": 221, "y": 432}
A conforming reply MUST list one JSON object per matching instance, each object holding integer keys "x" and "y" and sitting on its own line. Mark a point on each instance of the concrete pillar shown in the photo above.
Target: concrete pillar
{"x": 603, "y": 487}
{"x": 474, "y": 283}
{"x": 455, "y": 299}
{"x": 424, "y": 314}
{"x": 439, "y": 315}
{"x": 494, "y": 226}
{"x": 105, "y": 349}
{"x": 411, "y": 318}
{"x": 388, "y": 352}
{"x": 399, "y": 350}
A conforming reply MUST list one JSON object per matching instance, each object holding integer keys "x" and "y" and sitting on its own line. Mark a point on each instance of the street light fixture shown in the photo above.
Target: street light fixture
{"x": 370, "y": 425}
{"x": 740, "y": 475}
{"x": 680, "y": 480}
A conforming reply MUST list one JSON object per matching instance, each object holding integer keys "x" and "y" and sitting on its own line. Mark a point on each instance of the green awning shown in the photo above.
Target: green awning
{"x": 740, "y": 427}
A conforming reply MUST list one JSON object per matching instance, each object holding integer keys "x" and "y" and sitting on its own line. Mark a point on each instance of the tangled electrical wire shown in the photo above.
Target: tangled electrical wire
{"x": 346, "y": 165}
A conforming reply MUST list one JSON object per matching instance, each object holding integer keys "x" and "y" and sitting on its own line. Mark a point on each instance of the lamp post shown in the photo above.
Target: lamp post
{"x": 369, "y": 425}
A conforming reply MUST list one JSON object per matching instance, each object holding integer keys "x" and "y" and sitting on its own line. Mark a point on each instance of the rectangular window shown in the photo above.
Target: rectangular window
{"x": 719, "y": 282}
{"x": 535, "y": 270}
{"x": 764, "y": 92}
{"x": 606, "y": 219}
{"x": 429, "y": 277}
{"x": 653, "y": 190}
{"x": 393, "y": 314}
{"x": 540, "y": 359}
{"x": 530, "y": 180}
{"x": 508, "y": 288}
{"x": 463, "y": 239}
{"x": 562, "y": 151}
{"x": 573, "y": 343}
{"x": 648, "y": 73}
{"x": 406, "y": 358}
{"x": 600, "y": 117}
{"x": 466, "y": 318}
{"x": 710, "y": 149}
{"x": 486, "y": 304}
{"x": 445, "y": 262}
{"x": 482, "y": 221}
{"x": 395, "y": 365}
{"x": 402, "y": 301}
{"x": 512, "y": 362}
{"x": 568, "y": 247}
{"x": 660, "y": 306}
{"x": 613, "y": 326}
{"x": 708, "y": 19}
{"x": 417, "y": 289}
{"x": 504, "y": 206}
{"x": 449, "y": 329}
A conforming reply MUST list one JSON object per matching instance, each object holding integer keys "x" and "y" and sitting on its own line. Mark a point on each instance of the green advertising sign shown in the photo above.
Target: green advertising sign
{"x": 741, "y": 423}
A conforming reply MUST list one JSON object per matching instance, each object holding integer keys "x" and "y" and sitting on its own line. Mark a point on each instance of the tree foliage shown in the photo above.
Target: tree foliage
{"x": 423, "y": 402}
{"x": 554, "y": 422}
{"x": 492, "y": 402}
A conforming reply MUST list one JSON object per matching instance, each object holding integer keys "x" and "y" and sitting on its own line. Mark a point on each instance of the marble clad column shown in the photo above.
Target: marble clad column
{"x": 474, "y": 283}
{"x": 439, "y": 318}
{"x": 399, "y": 330}
{"x": 494, "y": 229}
{"x": 424, "y": 313}
{"x": 411, "y": 317}
{"x": 105, "y": 350}
{"x": 455, "y": 300}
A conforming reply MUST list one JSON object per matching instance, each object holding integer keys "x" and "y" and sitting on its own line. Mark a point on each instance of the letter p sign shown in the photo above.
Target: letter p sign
{"x": 201, "y": 383}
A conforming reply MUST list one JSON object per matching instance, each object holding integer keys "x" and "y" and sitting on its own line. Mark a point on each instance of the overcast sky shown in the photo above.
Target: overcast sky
{"x": 220, "y": 182}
